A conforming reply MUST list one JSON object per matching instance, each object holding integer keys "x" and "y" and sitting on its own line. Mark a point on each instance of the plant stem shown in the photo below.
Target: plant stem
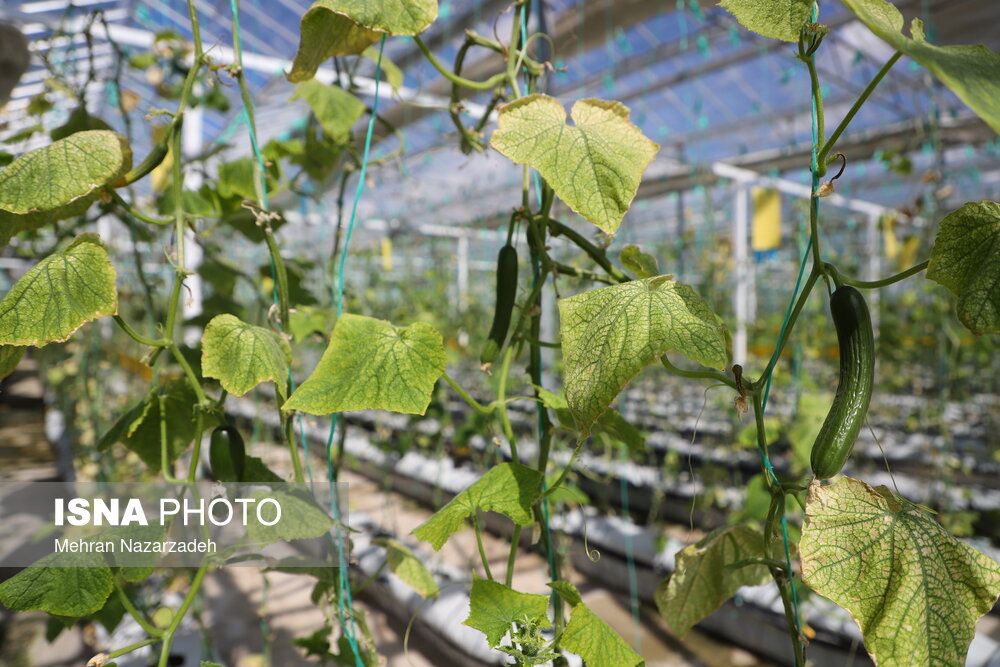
{"x": 875, "y": 284}
{"x": 515, "y": 540}
{"x": 476, "y": 405}
{"x": 865, "y": 94}
{"x": 492, "y": 82}
{"x": 559, "y": 229}
{"x": 706, "y": 373}
{"x": 565, "y": 471}
{"x": 134, "y": 612}
{"x": 136, "y": 336}
{"x": 168, "y": 634}
{"x": 479, "y": 544}
{"x": 135, "y": 213}
{"x": 806, "y": 290}
{"x": 188, "y": 371}
{"x": 508, "y": 430}
{"x": 132, "y": 647}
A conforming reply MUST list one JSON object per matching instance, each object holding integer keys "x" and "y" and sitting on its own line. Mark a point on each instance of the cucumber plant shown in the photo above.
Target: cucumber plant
{"x": 915, "y": 591}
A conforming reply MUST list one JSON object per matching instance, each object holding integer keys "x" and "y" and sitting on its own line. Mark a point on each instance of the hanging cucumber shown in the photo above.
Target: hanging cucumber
{"x": 506, "y": 293}
{"x": 857, "y": 373}
{"x": 227, "y": 454}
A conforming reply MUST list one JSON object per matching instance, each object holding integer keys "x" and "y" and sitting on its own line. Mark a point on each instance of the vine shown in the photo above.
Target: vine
{"x": 589, "y": 166}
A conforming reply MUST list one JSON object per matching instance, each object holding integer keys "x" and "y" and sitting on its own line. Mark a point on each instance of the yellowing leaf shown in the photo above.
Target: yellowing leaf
{"x": 594, "y": 165}
{"x": 969, "y": 71}
{"x": 780, "y": 19}
{"x": 60, "y": 294}
{"x": 494, "y": 608}
{"x": 372, "y": 365}
{"x": 241, "y": 356}
{"x": 966, "y": 260}
{"x": 347, "y": 27}
{"x": 703, "y": 579}
{"x": 915, "y": 591}
{"x": 60, "y": 180}
{"x": 610, "y": 334}
{"x": 596, "y": 642}
{"x": 509, "y": 488}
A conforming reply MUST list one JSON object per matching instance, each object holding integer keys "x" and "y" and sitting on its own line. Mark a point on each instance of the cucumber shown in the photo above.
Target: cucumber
{"x": 506, "y": 293}
{"x": 153, "y": 160}
{"x": 227, "y": 454}
{"x": 857, "y": 374}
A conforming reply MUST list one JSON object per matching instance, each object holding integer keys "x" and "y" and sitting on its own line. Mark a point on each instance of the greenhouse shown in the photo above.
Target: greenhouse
{"x": 458, "y": 333}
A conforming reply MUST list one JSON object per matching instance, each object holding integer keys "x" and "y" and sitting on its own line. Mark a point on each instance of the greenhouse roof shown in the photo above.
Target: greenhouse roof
{"x": 696, "y": 82}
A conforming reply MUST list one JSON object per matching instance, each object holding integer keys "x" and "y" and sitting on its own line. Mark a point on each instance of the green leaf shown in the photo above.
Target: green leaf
{"x": 494, "y": 608}
{"x": 348, "y": 27}
{"x": 702, "y": 579}
{"x": 594, "y": 165}
{"x": 969, "y": 71}
{"x": 64, "y": 591}
{"x": 610, "y": 423}
{"x": 79, "y": 121}
{"x": 635, "y": 260}
{"x": 372, "y": 365}
{"x": 336, "y": 109}
{"x": 10, "y": 357}
{"x": 597, "y": 642}
{"x": 915, "y": 591}
{"x": 610, "y": 334}
{"x": 509, "y": 488}
{"x": 405, "y": 565}
{"x": 567, "y": 591}
{"x": 206, "y": 663}
{"x": 393, "y": 75}
{"x": 241, "y": 356}
{"x": 301, "y": 517}
{"x": 779, "y": 19}
{"x": 139, "y": 428}
{"x": 60, "y": 294}
{"x": 966, "y": 260}
{"x": 60, "y": 180}
{"x": 305, "y": 321}
{"x": 237, "y": 179}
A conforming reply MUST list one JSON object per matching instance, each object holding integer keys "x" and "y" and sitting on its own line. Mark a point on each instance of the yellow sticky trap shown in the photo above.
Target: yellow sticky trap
{"x": 387, "y": 254}
{"x": 889, "y": 237}
{"x": 161, "y": 175}
{"x": 908, "y": 255}
{"x": 766, "y": 218}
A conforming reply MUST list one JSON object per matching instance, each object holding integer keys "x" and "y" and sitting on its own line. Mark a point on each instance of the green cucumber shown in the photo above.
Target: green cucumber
{"x": 857, "y": 374}
{"x": 227, "y": 454}
{"x": 506, "y": 293}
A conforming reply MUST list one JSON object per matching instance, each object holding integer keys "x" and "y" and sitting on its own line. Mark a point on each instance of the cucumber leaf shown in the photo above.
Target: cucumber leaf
{"x": 966, "y": 260}
{"x": 241, "y": 355}
{"x": 610, "y": 334}
{"x": 348, "y": 27}
{"x": 703, "y": 578}
{"x": 969, "y": 71}
{"x": 594, "y": 165}
{"x": 914, "y": 590}
{"x": 372, "y": 365}
{"x": 509, "y": 489}
{"x": 60, "y": 294}
{"x": 494, "y": 608}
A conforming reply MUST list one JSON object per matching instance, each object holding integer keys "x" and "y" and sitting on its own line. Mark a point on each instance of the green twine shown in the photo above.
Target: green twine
{"x": 345, "y": 586}
{"x": 814, "y": 212}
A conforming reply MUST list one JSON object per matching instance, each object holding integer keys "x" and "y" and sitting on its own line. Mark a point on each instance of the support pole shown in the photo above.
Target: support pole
{"x": 742, "y": 280}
